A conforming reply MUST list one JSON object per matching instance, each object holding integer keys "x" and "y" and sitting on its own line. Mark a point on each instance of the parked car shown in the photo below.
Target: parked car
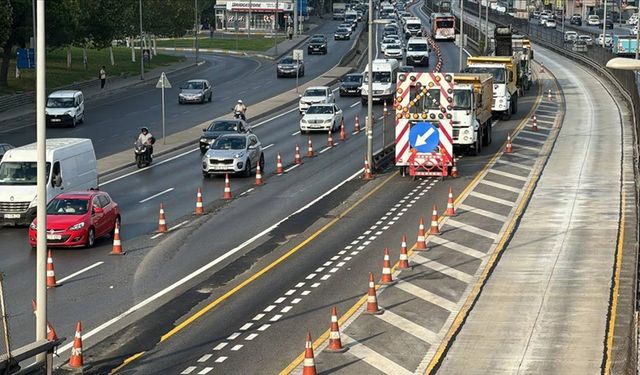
{"x": 351, "y": 85}
{"x": 77, "y": 219}
{"x": 342, "y": 33}
{"x": 290, "y": 67}
{"x": 325, "y": 117}
{"x": 221, "y": 127}
{"x": 317, "y": 45}
{"x": 579, "y": 46}
{"x": 570, "y": 36}
{"x": 233, "y": 153}
{"x": 4, "y": 147}
{"x": 593, "y": 20}
{"x": 315, "y": 95}
{"x": 543, "y": 19}
{"x": 576, "y": 19}
{"x": 587, "y": 39}
{"x": 195, "y": 91}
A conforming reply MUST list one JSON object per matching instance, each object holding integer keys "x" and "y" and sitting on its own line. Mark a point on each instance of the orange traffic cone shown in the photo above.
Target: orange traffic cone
{"x": 421, "y": 244}
{"x": 372, "y": 299}
{"x": 51, "y": 275}
{"x": 329, "y": 139}
{"x": 343, "y": 134}
{"x": 227, "y": 188}
{"x": 357, "y": 125}
{"x": 454, "y": 168}
{"x": 367, "y": 171}
{"x": 335, "y": 344}
{"x": 199, "y": 206}
{"x": 162, "y": 222}
{"x": 549, "y": 95}
{"x": 259, "y": 175}
{"x": 309, "y": 365}
{"x": 386, "y": 278}
{"x": 279, "y": 167}
{"x": 451, "y": 211}
{"x": 403, "y": 263}
{"x": 509, "y": 147}
{"x": 51, "y": 333}
{"x": 117, "y": 244}
{"x": 76, "y": 360}
{"x": 434, "y": 221}
{"x": 534, "y": 126}
{"x": 309, "y": 148}
{"x": 297, "y": 157}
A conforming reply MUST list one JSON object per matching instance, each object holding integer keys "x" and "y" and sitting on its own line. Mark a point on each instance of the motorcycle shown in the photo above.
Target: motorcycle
{"x": 239, "y": 115}
{"x": 143, "y": 154}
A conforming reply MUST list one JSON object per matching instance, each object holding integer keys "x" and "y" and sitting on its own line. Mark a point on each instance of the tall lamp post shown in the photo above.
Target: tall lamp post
{"x": 461, "y": 34}
{"x": 141, "y": 49}
{"x": 196, "y": 29}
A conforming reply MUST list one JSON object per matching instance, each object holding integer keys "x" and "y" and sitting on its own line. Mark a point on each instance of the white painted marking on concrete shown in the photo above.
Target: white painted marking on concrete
{"x": 295, "y": 301}
{"x": 457, "y": 247}
{"x": 528, "y": 139}
{"x": 275, "y": 318}
{"x": 264, "y": 327}
{"x": 498, "y": 185}
{"x": 311, "y": 276}
{"x": 237, "y": 347}
{"x": 290, "y": 292}
{"x": 296, "y": 133}
{"x": 223, "y": 344}
{"x": 373, "y": 358}
{"x": 507, "y": 174}
{"x": 480, "y": 211}
{"x": 292, "y": 168}
{"x": 259, "y": 316}
{"x": 492, "y": 198}
{"x": 354, "y": 104}
{"x": 139, "y": 171}
{"x": 67, "y": 278}
{"x": 315, "y": 285}
{"x": 472, "y": 229}
{"x": 205, "y": 370}
{"x": 274, "y": 118}
{"x": 220, "y": 359}
{"x": 319, "y": 269}
{"x": 325, "y": 277}
{"x": 408, "y": 326}
{"x": 523, "y": 156}
{"x": 251, "y": 336}
{"x": 205, "y": 357}
{"x": 340, "y": 264}
{"x": 334, "y": 270}
{"x": 446, "y": 270}
{"x": 269, "y": 308}
{"x": 517, "y": 145}
{"x": 246, "y": 326}
{"x": 279, "y": 300}
{"x": 305, "y": 292}
{"x": 156, "y": 236}
{"x": 524, "y": 131}
{"x": 188, "y": 370}
{"x": 268, "y": 146}
{"x": 325, "y": 149}
{"x": 300, "y": 284}
{"x": 426, "y": 295}
{"x": 286, "y": 309}
{"x": 330, "y": 262}
{"x": 156, "y": 195}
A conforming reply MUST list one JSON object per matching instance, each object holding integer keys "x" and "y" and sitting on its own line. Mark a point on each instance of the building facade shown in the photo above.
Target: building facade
{"x": 236, "y": 15}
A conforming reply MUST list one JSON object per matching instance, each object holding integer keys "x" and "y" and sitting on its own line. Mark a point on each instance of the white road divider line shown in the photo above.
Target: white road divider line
{"x": 149, "y": 167}
{"x": 274, "y": 117}
{"x": 291, "y": 168}
{"x": 204, "y": 268}
{"x": 67, "y": 278}
{"x": 268, "y": 147}
{"x": 156, "y": 195}
{"x": 296, "y": 133}
{"x": 354, "y": 104}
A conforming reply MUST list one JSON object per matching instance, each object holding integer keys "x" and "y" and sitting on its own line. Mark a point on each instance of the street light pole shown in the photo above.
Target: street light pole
{"x": 141, "y": 51}
{"x": 196, "y": 28}
{"x": 369, "y": 123}
{"x": 295, "y": 17}
{"x": 604, "y": 24}
{"x": 638, "y": 33}
{"x": 461, "y": 63}
{"x": 486, "y": 33}
{"x": 41, "y": 175}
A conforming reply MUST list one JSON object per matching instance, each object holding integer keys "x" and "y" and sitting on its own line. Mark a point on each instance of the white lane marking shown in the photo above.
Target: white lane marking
{"x": 188, "y": 370}
{"x": 291, "y": 168}
{"x": 457, "y": 247}
{"x": 264, "y": 327}
{"x": 268, "y": 147}
{"x": 207, "y": 266}
{"x": 538, "y": 141}
{"x": 510, "y": 163}
{"x": 472, "y": 229}
{"x": 536, "y": 133}
{"x": 205, "y": 357}
{"x": 286, "y": 309}
{"x": 295, "y": 301}
{"x": 482, "y": 212}
{"x": 246, "y": 326}
{"x": 290, "y": 292}
{"x": 258, "y": 317}
{"x": 80, "y": 272}
{"x": 426, "y": 295}
{"x": 233, "y": 336}
{"x": 507, "y": 174}
{"x": 373, "y": 358}
{"x": 205, "y": 370}
{"x": 237, "y": 347}
{"x": 274, "y": 117}
{"x": 269, "y": 308}
{"x": 156, "y": 195}
{"x": 149, "y": 167}
{"x": 498, "y": 185}
{"x": 325, "y": 149}
{"x": 296, "y": 133}
{"x": 354, "y": 104}
{"x": 521, "y": 146}
{"x": 251, "y": 336}
{"x": 220, "y": 359}
{"x": 443, "y": 269}
{"x": 279, "y": 300}
{"x": 410, "y": 327}
{"x": 247, "y": 191}
{"x": 222, "y": 345}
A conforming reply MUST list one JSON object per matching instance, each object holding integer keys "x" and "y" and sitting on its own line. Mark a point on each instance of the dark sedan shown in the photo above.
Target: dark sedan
{"x": 351, "y": 84}
{"x": 290, "y": 67}
{"x": 220, "y": 127}
{"x": 317, "y": 45}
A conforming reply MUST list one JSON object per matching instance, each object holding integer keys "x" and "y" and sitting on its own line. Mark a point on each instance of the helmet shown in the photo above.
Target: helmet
{"x": 239, "y": 101}
{"x": 144, "y": 129}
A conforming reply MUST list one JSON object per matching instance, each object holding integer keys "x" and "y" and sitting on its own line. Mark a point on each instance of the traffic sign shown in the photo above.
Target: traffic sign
{"x": 25, "y": 58}
{"x": 424, "y": 137}
{"x": 298, "y": 54}
{"x": 163, "y": 82}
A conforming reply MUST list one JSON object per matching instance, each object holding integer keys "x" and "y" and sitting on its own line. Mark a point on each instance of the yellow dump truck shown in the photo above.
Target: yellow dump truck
{"x": 504, "y": 70}
{"x": 471, "y": 111}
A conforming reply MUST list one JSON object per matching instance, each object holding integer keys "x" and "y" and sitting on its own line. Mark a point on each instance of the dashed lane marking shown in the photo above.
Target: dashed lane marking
{"x": 492, "y": 198}
{"x": 426, "y": 295}
{"x": 481, "y": 212}
{"x": 354, "y": 104}
{"x": 521, "y": 146}
{"x": 507, "y": 174}
{"x": 512, "y": 164}
{"x": 538, "y": 141}
{"x": 373, "y": 358}
{"x": 268, "y": 147}
{"x": 544, "y": 135}
{"x": 205, "y": 370}
{"x": 500, "y": 186}
{"x": 457, "y": 247}
{"x": 188, "y": 370}
{"x": 410, "y": 327}
{"x": 443, "y": 269}
{"x": 291, "y": 168}
{"x": 67, "y": 278}
{"x": 205, "y": 357}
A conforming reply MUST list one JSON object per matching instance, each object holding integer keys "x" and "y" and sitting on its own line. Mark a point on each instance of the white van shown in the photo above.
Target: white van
{"x": 418, "y": 52}
{"x": 385, "y": 76}
{"x": 71, "y": 166}
{"x": 65, "y": 107}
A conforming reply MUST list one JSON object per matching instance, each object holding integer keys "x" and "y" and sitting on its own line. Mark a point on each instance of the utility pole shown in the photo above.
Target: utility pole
{"x": 369, "y": 122}
{"x": 638, "y": 34}
{"x": 486, "y": 34}
{"x": 196, "y": 29}
{"x": 250, "y": 19}
{"x": 141, "y": 49}
{"x": 41, "y": 175}
{"x": 275, "y": 30}
{"x": 461, "y": 63}
{"x": 33, "y": 15}
{"x": 295, "y": 17}
{"x": 604, "y": 24}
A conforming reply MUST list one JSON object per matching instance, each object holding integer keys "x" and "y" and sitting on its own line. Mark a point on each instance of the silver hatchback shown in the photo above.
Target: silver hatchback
{"x": 233, "y": 153}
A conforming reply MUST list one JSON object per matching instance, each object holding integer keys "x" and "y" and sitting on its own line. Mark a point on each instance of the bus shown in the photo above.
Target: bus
{"x": 443, "y": 26}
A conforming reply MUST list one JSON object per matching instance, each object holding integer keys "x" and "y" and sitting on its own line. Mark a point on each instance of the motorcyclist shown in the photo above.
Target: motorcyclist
{"x": 241, "y": 109}
{"x": 146, "y": 138}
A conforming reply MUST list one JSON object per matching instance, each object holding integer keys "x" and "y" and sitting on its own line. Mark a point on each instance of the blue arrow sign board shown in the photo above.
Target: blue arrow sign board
{"x": 25, "y": 58}
{"x": 424, "y": 137}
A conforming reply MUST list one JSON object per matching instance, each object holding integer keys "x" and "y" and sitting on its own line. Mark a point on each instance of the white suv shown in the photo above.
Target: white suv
{"x": 593, "y": 20}
{"x": 315, "y": 95}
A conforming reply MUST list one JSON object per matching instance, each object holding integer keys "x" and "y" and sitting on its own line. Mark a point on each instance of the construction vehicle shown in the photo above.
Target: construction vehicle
{"x": 503, "y": 37}
{"x": 504, "y": 70}
{"x": 339, "y": 10}
{"x": 523, "y": 51}
{"x": 471, "y": 111}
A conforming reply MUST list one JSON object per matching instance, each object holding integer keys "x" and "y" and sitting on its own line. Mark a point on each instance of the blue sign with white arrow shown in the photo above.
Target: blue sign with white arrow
{"x": 424, "y": 137}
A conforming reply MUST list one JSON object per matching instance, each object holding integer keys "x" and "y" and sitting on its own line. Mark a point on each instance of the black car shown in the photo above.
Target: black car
{"x": 317, "y": 45}
{"x": 609, "y": 24}
{"x": 342, "y": 34}
{"x": 351, "y": 85}
{"x": 4, "y": 147}
{"x": 576, "y": 19}
{"x": 290, "y": 67}
{"x": 220, "y": 127}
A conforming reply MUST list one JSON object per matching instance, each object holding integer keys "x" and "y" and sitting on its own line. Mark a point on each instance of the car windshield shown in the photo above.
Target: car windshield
{"x": 343, "y": 30}
{"x": 193, "y": 86}
{"x": 60, "y": 102}
{"x": 20, "y": 172}
{"x": 318, "y": 40}
{"x": 320, "y": 109}
{"x": 394, "y": 46}
{"x": 353, "y": 78}
{"x": 223, "y": 126}
{"x": 416, "y": 26}
{"x": 381, "y": 77}
{"x": 230, "y": 143}
{"x": 461, "y": 99}
{"x": 498, "y": 74}
{"x": 68, "y": 206}
{"x": 584, "y": 37}
{"x": 287, "y": 60}
{"x": 315, "y": 92}
{"x": 389, "y": 40}
{"x": 417, "y": 47}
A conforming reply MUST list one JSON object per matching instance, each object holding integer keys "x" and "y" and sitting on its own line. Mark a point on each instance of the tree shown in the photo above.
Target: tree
{"x": 6, "y": 19}
{"x": 168, "y": 18}
{"x": 19, "y": 33}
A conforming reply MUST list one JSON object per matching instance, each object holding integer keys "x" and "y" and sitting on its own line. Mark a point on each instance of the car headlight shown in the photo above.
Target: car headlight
{"x": 323, "y": 45}
{"x": 465, "y": 131}
{"x": 303, "y": 121}
{"x": 204, "y": 140}
{"x": 181, "y": 95}
{"x": 33, "y": 226}
{"x": 239, "y": 155}
{"x": 77, "y": 226}
{"x": 204, "y": 164}
{"x": 327, "y": 120}
{"x": 70, "y": 113}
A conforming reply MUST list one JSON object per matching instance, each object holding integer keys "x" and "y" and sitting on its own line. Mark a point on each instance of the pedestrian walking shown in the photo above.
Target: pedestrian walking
{"x": 290, "y": 32}
{"x": 103, "y": 76}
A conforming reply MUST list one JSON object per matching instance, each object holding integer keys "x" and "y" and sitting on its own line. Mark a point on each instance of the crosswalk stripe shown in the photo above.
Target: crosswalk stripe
{"x": 485, "y": 213}
{"x": 373, "y": 358}
{"x": 538, "y": 141}
{"x": 501, "y": 186}
{"x": 452, "y": 272}
{"x": 492, "y": 199}
{"x": 520, "y": 145}
{"x": 426, "y": 295}
{"x": 410, "y": 327}
{"x": 472, "y": 229}
{"x": 507, "y": 174}
{"x": 510, "y": 163}
{"x": 457, "y": 247}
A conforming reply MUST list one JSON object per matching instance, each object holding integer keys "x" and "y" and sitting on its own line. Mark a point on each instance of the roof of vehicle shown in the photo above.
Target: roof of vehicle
{"x": 417, "y": 40}
{"x": 354, "y": 74}
{"x": 79, "y": 194}
{"x": 235, "y": 135}
{"x": 64, "y": 93}
{"x": 197, "y": 80}
{"x": 570, "y": 32}
{"x": 317, "y": 88}
{"x": 27, "y": 152}
{"x": 322, "y": 105}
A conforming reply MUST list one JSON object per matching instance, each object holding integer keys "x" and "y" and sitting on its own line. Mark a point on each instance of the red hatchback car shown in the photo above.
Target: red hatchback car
{"x": 76, "y": 219}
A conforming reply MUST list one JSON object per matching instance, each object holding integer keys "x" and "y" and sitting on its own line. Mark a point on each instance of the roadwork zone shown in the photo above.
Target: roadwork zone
{"x": 429, "y": 302}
